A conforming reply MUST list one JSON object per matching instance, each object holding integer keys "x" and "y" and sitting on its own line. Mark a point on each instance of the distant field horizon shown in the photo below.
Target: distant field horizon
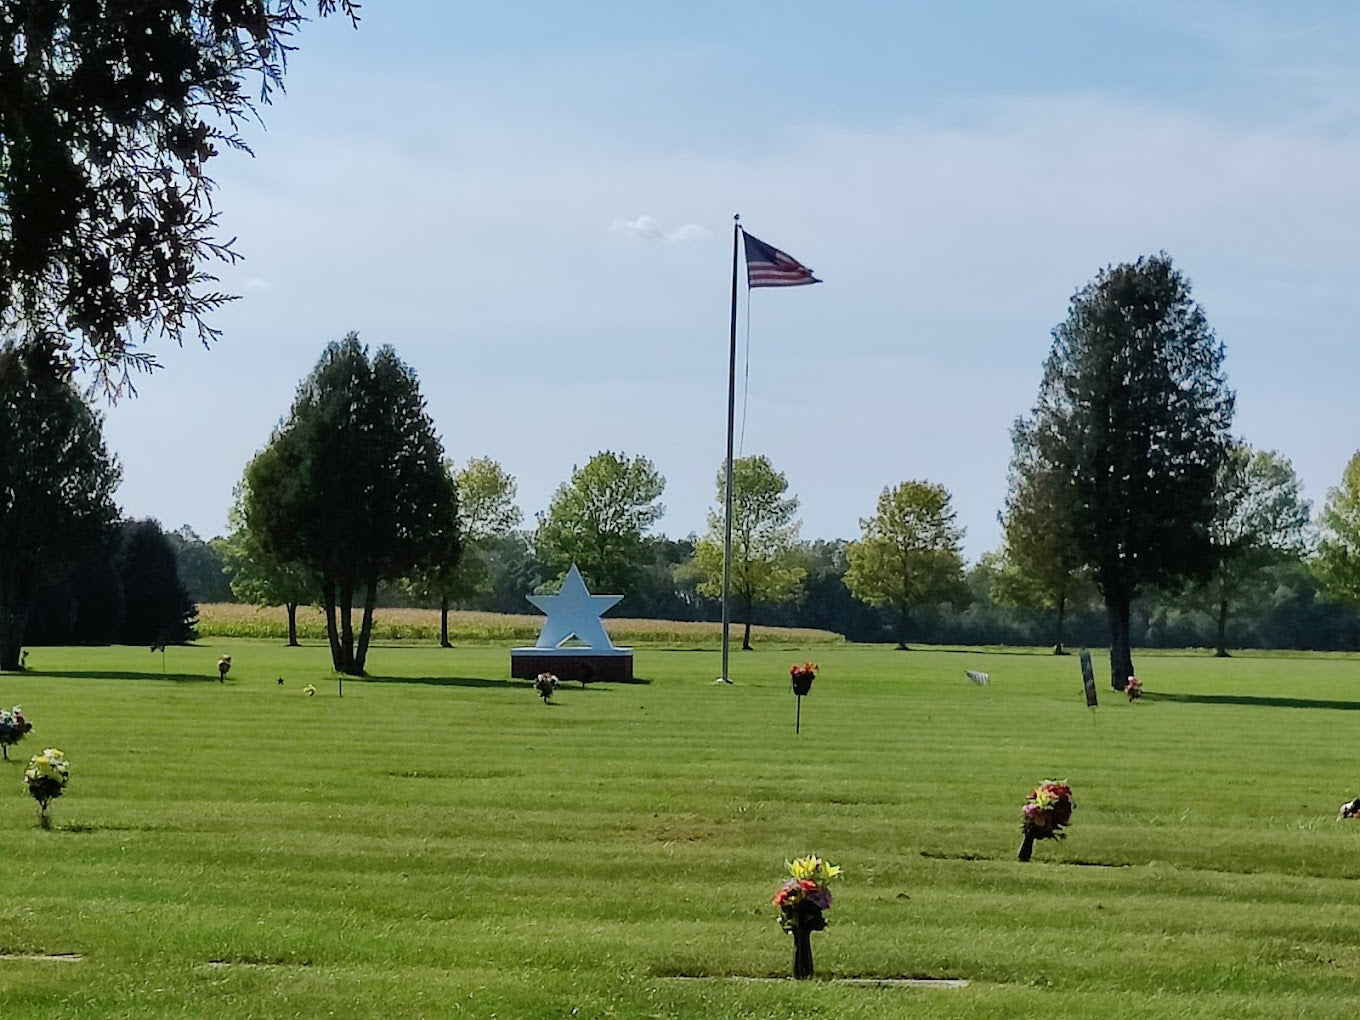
{"x": 237, "y": 619}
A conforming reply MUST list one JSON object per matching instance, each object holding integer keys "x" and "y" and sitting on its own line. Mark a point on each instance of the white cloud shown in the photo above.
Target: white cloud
{"x": 646, "y": 227}
{"x": 643, "y": 226}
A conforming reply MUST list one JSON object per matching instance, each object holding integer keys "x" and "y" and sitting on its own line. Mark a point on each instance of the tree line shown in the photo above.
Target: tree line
{"x": 1133, "y": 516}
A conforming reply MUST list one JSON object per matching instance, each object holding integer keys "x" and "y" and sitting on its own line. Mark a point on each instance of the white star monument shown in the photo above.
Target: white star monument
{"x": 573, "y": 613}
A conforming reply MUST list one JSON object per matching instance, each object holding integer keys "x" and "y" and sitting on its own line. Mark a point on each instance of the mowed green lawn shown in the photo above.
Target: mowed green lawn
{"x": 438, "y": 843}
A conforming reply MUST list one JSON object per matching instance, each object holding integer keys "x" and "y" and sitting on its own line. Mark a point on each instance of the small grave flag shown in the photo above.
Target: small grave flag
{"x": 981, "y": 679}
{"x": 1088, "y": 679}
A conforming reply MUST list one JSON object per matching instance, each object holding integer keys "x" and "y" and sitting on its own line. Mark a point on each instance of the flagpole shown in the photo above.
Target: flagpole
{"x": 731, "y": 421}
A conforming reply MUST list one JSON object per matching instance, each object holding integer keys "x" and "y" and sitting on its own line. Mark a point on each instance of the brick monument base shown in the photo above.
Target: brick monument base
{"x": 587, "y": 665}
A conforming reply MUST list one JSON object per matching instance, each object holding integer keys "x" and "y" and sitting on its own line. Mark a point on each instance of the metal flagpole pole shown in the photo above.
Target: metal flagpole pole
{"x": 731, "y": 421}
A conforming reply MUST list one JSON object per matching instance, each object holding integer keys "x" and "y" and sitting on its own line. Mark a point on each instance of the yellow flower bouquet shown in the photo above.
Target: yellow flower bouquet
{"x": 801, "y": 901}
{"x": 46, "y": 777}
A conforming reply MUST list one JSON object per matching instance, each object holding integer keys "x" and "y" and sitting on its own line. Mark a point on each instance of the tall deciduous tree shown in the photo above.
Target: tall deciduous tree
{"x": 1337, "y": 565}
{"x": 1133, "y": 413}
{"x": 108, "y": 116}
{"x": 56, "y": 483}
{"x": 598, "y": 518}
{"x": 257, "y": 576}
{"x": 1260, "y": 521}
{"x": 909, "y": 552}
{"x": 765, "y": 562}
{"x": 353, "y": 486}
{"x": 1041, "y": 565}
{"x": 486, "y": 499}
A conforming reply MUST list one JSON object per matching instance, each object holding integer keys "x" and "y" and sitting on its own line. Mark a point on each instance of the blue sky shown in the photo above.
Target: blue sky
{"x": 532, "y": 203}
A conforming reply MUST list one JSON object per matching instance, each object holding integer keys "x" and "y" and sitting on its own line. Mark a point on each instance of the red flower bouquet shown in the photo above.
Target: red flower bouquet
{"x": 802, "y": 675}
{"x": 1046, "y": 812}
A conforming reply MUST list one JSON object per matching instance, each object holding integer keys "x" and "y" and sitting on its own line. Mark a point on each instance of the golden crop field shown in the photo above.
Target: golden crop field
{"x": 227, "y": 619}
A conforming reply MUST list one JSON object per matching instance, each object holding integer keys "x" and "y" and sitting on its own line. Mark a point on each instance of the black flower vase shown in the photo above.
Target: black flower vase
{"x": 44, "y": 792}
{"x": 1026, "y": 848}
{"x": 802, "y": 684}
{"x": 802, "y": 953}
{"x": 809, "y": 919}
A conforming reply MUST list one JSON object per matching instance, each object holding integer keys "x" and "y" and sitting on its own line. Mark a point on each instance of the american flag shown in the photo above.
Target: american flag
{"x": 770, "y": 267}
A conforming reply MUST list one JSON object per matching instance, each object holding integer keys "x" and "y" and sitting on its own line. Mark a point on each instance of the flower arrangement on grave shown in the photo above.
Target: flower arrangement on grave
{"x": 1046, "y": 812}
{"x": 13, "y": 726}
{"x": 801, "y": 902}
{"x": 223, "y": 668}
{"x": 545, "y": 684}
{"x": 802, "y": 675}
{"x": 46, "y": 778}
{"x": 1134, "y": 688}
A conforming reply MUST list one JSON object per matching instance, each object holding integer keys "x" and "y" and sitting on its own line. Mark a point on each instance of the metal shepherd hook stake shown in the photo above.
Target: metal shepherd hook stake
{"x": 802, "y": 676}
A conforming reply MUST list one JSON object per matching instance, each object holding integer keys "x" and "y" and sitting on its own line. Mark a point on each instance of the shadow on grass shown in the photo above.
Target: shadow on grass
{"x": 85, "y": 828}
{"x": 101, "y": 674}
{"x": 1253, "y": 701}
{"x": 566, "y": 686}
{"x": 439, "y": 681}
{"x": 941, "y": 856}
{"x": 1036, "y": 653}
{"x": 936, "y": 855}
{"x": 481, "y": 681}
{"x": 864, "y": 978}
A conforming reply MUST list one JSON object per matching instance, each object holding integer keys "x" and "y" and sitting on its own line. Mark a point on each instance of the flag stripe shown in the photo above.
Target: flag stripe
{"x": 767, "y": 266}
{"x": 756, "y": 279}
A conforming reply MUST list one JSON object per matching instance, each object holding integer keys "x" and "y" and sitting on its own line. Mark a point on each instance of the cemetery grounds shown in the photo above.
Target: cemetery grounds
{"x": 439, "y": 843}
